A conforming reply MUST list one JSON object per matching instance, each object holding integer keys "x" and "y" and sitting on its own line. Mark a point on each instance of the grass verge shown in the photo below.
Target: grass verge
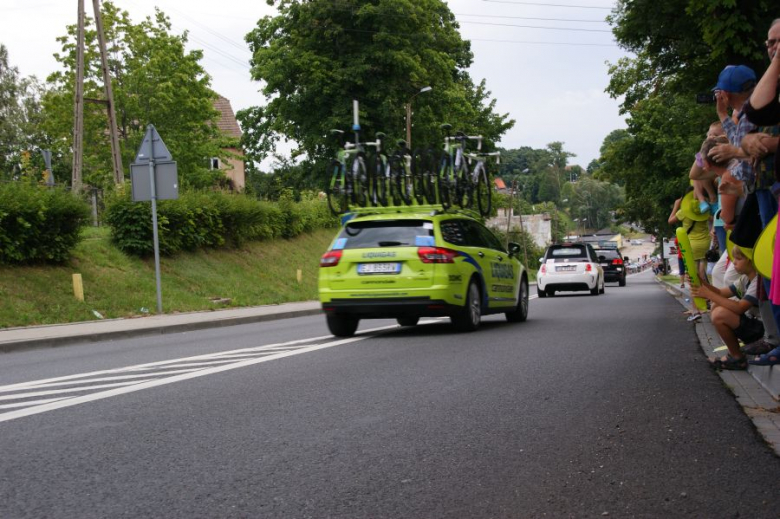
{"x": 117, "y": 285}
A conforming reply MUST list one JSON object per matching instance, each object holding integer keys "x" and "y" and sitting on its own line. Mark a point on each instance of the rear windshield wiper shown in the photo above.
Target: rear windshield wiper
{"x": 390, "y": 243}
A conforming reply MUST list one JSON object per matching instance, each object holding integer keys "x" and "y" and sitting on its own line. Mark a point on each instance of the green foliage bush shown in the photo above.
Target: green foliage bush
{"x": 38, "y": 224}
{"x": 211, "y": 219}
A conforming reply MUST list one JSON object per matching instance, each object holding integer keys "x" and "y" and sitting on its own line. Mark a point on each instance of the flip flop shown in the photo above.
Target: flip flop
{"x": 767, "y": 359}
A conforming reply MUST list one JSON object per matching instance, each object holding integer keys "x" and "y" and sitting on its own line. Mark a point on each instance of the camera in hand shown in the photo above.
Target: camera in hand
{"x": 705, "y": 99}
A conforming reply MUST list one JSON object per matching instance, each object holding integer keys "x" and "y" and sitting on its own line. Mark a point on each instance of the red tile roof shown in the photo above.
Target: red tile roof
{"x": 227, "y": 120}
{"x": 499, "y": 183}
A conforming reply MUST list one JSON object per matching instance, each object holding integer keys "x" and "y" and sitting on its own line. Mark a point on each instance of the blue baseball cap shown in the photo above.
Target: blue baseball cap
{"x": 736, "y": 79}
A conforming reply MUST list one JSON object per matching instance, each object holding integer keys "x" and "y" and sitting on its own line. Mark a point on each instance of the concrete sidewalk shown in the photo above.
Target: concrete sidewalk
{"x": 757, "y": 390}
{"x": 14, "y": 339}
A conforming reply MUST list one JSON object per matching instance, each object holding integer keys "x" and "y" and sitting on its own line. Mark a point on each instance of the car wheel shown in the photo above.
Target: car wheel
{"x": 342, "y": 325}
{"x": 520, "y": 313}
{"x": 603, "y": 288}
{"x": 595, "y": 290}
{"x": 550, "y": 292}
{"x": 540, "y": 292}
{"x": 622, "y": 281}
{"x": 467, "y": 319}
{"x": 408, "y": 321}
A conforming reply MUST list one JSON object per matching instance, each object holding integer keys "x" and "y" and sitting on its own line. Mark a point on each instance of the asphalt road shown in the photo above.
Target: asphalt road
{"x": 595, "y": 406}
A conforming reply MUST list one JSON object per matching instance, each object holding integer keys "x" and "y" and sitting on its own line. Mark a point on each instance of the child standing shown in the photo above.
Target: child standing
{"x": 735, "y": 320}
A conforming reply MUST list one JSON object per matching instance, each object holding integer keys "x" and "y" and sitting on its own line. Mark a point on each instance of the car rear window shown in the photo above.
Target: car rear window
{"x": 389, "y": 233}
{"x": 568, "y": 252}
{"x": 608, "y": 253}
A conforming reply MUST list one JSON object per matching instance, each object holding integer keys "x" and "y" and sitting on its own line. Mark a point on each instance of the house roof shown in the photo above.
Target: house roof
{"x": 227, "y": 122}
{"x": 499, "y": 183}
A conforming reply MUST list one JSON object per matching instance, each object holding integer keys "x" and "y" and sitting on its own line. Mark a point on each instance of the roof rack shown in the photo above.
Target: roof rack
{"x": 433, "y": 209}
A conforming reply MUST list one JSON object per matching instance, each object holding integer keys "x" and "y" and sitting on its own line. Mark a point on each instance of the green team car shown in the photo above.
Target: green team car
{"x": 416, "y": 264}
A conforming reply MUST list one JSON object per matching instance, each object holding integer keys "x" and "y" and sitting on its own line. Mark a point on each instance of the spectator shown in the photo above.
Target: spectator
{"x": 730, "y": 189}
{"x": 734, "y": 320}
{"x": 699, "y": 237}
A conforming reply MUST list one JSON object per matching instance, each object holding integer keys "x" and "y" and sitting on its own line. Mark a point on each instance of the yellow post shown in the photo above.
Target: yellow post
{"x": 78, "y": 287}
{"x": 299, "y": 275}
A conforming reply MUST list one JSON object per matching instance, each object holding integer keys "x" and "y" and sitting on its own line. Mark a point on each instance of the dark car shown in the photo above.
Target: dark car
{"x": 614, "y": 265}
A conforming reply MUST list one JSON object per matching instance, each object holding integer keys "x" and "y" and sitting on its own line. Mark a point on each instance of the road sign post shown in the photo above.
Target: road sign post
{"x": 154, "y": 177}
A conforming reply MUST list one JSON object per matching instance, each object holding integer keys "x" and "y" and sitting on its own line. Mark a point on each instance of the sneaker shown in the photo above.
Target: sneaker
{"x": 759, "y": 347}
{"x": 704, "y": 207}
{"x": 694, "y": 318}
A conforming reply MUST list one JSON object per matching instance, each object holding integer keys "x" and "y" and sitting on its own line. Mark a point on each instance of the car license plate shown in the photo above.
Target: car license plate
{"x": 566, "y": 268}
{"x": 379, "y": 268}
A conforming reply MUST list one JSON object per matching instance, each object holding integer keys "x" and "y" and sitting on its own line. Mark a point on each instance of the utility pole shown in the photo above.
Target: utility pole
{"x": 119, "y": 176}
{"x": 78, "y": 104}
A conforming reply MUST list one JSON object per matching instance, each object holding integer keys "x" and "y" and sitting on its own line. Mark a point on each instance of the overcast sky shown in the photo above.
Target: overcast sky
{"x": 545, "y": 63}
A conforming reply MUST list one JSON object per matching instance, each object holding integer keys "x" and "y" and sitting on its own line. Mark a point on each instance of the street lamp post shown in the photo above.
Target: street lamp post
{"x": 409, "y": 115}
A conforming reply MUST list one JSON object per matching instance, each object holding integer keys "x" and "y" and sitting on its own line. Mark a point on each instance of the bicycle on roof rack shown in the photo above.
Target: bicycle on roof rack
{"x": 478, "y": 185}
{"x": 454, "y": 182}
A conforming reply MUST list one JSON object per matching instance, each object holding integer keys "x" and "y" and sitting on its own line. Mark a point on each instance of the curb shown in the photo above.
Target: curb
{"x": 156, "y": 329}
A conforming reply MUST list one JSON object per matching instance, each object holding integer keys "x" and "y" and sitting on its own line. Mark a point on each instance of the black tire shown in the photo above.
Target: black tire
{"x": 342, "y": 325}
{"x": 430, "y": 160}
{"x": 337, "y": 195}
{"x": 484, "y": 191}
{"x": 595, "y": 290}
{"x": 622, "y": 281}
{"x": 418, "y": 176}
{"x": 408, "y": 321}
{"x": 359, "y": 175}
{"x": 550, "y": 292}
{"x": 464, "y": 189}
{"x": 467, "y": 319}
{"x": 443, "y": 182}
{"x": 378, "y": 182}
{"x": 396, "y": 173}
{"x": 603, "y": 287}
{"x": 540, "y": 293}
{"x": 520, "y": 313}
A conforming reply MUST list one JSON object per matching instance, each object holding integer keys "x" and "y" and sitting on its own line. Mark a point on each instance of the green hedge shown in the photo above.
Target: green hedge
{"x": 38, "y": 224}
{"x": 210, "y": 219}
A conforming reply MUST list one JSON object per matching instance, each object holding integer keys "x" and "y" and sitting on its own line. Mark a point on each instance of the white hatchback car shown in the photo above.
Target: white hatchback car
{"x": 570, "y": 267}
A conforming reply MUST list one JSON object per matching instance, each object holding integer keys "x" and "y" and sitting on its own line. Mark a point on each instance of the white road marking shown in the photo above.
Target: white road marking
{"x": 132, "y": 386}
{"x": 19, "y": 396}
{"x": 36, "y": 385}
{"x": 28, "y": 403}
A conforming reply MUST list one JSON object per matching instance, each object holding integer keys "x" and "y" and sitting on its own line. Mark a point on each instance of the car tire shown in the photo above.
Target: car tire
{"x": 467, "y": 319}
{"x": 603, "y": 287}
{"x": 595, "y": 290}
{"x": 622, "y": 281}
{"x": 520, "y": 313}
{"x": 342, "y": 325}
{"x": 550, "y": 292}
{"x": 540, "y": 292}
{"x": 408, "y": 321}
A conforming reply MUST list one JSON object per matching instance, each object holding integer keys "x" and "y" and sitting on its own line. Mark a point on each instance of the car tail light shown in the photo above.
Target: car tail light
{"x": 617, "y": 261}
{"x": 330, "y": 258}
{"x": 437, "y": 255}
{"x": 588, "y": 267}
{"x": 543, "y": 270}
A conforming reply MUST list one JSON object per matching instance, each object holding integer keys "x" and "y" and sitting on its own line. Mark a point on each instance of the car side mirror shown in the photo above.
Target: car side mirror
{"x": 541, "y": 260}
{"x": 514, "y": 249}
{"x": 602, "y": 258}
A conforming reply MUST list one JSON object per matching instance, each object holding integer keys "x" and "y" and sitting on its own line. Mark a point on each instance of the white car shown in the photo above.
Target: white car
{"x": 570, "y": 267}
{"x": 637, "y": 242}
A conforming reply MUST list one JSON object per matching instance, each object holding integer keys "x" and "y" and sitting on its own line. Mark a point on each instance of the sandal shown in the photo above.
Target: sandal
{"x": 730, "y": 363}
{"x": 767, "y": 359}
{"x": 694, "y": 318}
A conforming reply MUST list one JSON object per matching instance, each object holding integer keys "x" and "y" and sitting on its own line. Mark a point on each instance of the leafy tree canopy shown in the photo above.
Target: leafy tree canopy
{"x": 155, "y": 80}
{"x": 680, "y": 47}
{"x": 316, "y": 56}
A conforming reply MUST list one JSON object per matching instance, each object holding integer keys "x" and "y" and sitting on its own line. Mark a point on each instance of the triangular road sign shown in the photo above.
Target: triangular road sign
{"x": 161, "y": 152}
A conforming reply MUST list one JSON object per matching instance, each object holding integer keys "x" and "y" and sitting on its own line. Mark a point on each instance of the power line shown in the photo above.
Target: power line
{"x": 529, "y": 18}
{"x": 578, "y": 44}
{"x": 547, "y": 5}
{"x": 536, "y": 27}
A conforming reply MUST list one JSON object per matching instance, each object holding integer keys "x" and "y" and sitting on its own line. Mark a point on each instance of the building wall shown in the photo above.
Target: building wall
{"x": 539, "y": 226}
{"x": 234, "y": 170}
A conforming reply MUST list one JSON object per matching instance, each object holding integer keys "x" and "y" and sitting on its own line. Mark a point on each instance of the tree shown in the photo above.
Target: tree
{"x": 315, "y": 57}
{"x": 19, "y": 121}
{"x": 680, "y": 47}
{"x": 155, "y": 80}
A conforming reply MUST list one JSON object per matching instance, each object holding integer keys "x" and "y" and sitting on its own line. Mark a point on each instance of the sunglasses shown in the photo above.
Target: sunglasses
{"x": 770, "y": 43}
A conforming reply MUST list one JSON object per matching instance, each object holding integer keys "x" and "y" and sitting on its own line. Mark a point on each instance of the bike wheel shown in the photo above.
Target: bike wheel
{"x": 443, "y": 182}
{"x": 464, "y": 188}
{"x": 396, "y": 179}
{"x": 484, "y": 191}
{"x": 337, "y": 193}
{"x": 418, "y": 176}
{"x": 359, "y": 173}
{"x": 430, "y": 176}
{"x": 378, "y": 182}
